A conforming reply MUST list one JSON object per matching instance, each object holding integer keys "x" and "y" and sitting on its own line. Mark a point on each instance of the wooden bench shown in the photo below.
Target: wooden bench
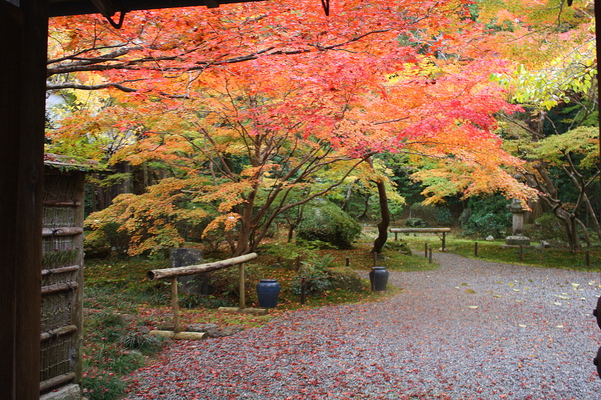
{"x": 444, "y": 231}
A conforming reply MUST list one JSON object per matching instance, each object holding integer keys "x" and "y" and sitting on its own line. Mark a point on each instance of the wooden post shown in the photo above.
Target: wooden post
{"x": 426, "y": 250}
{"x": 396, "y": 236}
{"x": 475, "y": 249}
{"x": 348, "y": 262}
{"x": 23, "y": 39}
{"x": 242, "y": 288}
{"x": 430, "y": 255}
{"x": 444, "y": 240}
{"x": 303, "y": 283}
{"x": 175, "y": 305}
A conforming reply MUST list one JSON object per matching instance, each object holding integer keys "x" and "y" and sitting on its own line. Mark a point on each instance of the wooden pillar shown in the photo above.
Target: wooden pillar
{"x": 177, "y": 326}
{"x": 242, "y": 287}
{"x": 23, "y": 36}
{"x": 444, "y": 241}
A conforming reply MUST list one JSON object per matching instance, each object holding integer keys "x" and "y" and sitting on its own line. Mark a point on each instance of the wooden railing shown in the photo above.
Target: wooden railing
{"x": 444, "y": 231}
{"x": 174, "y": 273}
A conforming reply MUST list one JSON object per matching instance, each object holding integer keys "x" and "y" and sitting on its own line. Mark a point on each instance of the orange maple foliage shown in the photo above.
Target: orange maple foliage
{"x": 296, "y": 98}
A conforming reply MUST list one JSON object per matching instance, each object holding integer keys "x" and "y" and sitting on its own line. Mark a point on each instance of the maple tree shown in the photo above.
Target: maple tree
{"x": 314, "y": 98}
{"x": 557, "y": 85}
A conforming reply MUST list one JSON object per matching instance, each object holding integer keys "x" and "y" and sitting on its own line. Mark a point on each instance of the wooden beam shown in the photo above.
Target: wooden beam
{"x": 23, "y": 38}
{"x": 197, "y": 269}
{"x": 73, "y": 7}
{"x": 419, "y": 230}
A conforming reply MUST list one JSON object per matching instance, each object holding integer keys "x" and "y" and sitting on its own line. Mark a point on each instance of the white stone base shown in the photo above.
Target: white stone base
{"x": 67, "y": 392}
{"x": 517, "y": 241}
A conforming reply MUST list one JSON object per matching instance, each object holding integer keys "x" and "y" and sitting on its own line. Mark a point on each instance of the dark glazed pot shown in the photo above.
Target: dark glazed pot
{"x": 378, "y": 277}
{"x": 268, "y": 291}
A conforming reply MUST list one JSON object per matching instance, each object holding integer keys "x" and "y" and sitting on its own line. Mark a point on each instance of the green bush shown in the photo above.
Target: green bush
{"x": 107, "y": 387}
{"x": 416, "y": 223}
{"x": 190, "y": 300}
{"x": 548, "y": 227}
{"x": 286, "y": 254}
{"x": 315, "y": 276}
{"x": 400, "y": 246}
{"x": 345, "y": 278}
{"x": 486, "y": 216}
{"x": 326, "y": 222}
{"x": 426, "y": 212}
{"x": 142, "y": 342}
{"x": 443, "y": 216}
{"x": 226, "y": 282}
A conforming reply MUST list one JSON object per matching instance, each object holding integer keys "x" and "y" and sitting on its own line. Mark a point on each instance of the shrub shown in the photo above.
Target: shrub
{"x": 197, "y": 301}
{"x": 486, "y": 216}
{"x": 401, "y": 246}
{"x": 315, "y": 275}
{"x": 326, "y": 222}
{"x": 549, "y": 227}
{"x": 416, "y": 223}
{"x": 286, "y": 254}
{"x": 226, "y": 282}
{"x": 345, "y": 278}
{"x": 142, "y": 342}
{"x": 423, "y": 211}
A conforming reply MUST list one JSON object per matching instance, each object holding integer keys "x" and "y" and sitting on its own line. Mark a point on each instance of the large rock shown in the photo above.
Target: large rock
{"x": 517, "y": 241}
{"x": 67, "y": 392}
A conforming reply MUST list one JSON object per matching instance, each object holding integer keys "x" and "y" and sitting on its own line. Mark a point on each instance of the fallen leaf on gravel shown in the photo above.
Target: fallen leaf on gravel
{"x": 522, "y": 325}
{"x": 559, "y": 326}
{"x": 472, "y": 307}
{"x": 557, "y": 303}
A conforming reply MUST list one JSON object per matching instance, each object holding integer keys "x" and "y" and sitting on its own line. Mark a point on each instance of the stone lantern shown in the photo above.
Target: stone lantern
{"x": 517, "y": 238}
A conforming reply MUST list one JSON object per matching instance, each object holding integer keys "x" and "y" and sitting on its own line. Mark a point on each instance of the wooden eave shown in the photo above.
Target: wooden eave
{"x": 74, "y": 7}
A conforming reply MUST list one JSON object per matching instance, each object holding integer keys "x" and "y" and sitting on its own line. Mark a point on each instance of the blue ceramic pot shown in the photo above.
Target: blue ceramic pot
{"x": 268, "y": 291}
{"x": 379, "y": 278}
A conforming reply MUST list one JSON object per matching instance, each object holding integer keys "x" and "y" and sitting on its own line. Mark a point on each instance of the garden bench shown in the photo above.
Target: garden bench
{"x": 444, "y": 231}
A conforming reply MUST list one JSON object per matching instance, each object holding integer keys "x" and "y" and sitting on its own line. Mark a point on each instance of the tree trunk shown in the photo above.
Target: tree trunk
{"x": 385, "y": 214}
{"x": 349, "y": 192}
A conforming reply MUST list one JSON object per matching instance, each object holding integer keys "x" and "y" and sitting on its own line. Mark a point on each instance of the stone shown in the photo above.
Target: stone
{"x": 227, "y": 331}
{"x": 236, "y": 310}
{"x": 67, "y": 392}
{"x": 180, "y": 335}
{"x": 202, "y": 327}
{"x": 517, "y": 241}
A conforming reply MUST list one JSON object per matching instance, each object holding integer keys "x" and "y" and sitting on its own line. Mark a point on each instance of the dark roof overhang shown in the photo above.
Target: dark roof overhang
{"x": 110, "y": 7}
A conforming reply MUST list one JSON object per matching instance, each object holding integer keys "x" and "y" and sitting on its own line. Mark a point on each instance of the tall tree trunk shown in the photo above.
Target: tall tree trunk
{"x": 366, "y": 208}
{"x": 385, "y": 214}
{"x": 349, "y": 192}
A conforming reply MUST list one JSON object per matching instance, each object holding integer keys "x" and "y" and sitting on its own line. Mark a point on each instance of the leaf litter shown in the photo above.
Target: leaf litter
{"x": 416, "y": 345}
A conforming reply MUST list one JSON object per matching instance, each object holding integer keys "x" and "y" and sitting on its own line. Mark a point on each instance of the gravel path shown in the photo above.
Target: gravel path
{"x": 469, "y": 330}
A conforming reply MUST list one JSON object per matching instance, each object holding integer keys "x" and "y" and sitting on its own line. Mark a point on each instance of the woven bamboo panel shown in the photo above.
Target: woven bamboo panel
{"x": 56, "y": 356}
{"x": 56, "y": 217}
{"x": 57, "y": 310}
{"x": 54, "y": 277}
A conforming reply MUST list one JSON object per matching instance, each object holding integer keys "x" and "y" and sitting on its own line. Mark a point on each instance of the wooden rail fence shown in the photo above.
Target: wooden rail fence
{"x": 174, "y": 273}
